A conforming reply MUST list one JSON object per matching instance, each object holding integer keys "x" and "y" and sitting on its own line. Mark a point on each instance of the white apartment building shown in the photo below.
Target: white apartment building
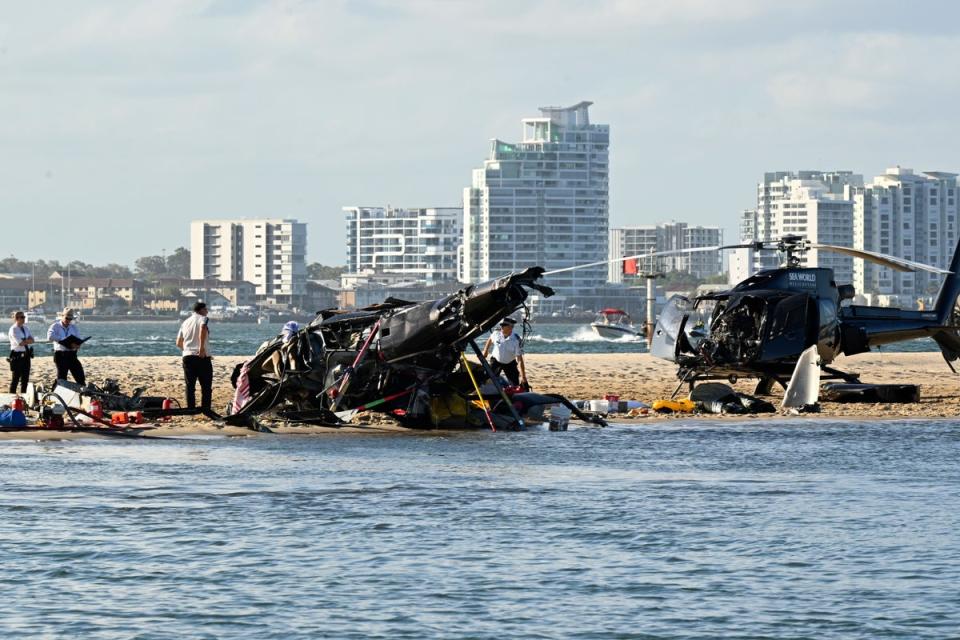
{"x": 815, "y": 204}
{"x": 542, "y": 201}
{"x": 911, "y": 216}
{"x": 269, "y": 252}
{"x": 414, "y": 244}
{"x": 640, "y": 239}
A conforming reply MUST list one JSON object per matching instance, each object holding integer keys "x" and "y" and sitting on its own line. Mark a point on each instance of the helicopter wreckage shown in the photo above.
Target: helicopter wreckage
{"x": 763, "y": 326}
{"x": 405, "y": 360}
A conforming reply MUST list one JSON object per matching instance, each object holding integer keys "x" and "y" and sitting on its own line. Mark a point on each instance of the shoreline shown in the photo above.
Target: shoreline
{"x": 632, "y": 376}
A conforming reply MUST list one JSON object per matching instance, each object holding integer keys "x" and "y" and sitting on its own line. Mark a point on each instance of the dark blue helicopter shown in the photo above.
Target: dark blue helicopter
{"x": 760, "y": 327}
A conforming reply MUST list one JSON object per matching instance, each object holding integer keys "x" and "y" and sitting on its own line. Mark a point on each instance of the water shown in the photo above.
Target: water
{"x": 157, "y": 339}
{"x": 680, "y": 530}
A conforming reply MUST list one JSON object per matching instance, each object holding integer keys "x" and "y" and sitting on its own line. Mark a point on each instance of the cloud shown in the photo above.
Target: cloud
{"x": 162, "y": 111}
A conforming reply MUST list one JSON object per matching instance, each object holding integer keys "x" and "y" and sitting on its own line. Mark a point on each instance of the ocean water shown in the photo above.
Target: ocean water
{"x": 158, "y": 338}
{"x": 797, "y": 529}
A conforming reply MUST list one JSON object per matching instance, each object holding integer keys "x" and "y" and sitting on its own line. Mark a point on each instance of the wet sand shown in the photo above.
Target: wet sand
{"x": 579, "y": 377}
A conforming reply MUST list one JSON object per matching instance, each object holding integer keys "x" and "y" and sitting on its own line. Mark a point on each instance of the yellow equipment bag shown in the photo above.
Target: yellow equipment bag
{"x": 683, "y": 405}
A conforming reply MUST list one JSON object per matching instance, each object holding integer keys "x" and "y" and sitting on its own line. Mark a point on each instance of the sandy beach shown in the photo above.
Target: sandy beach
{"x": 631, "y": 376}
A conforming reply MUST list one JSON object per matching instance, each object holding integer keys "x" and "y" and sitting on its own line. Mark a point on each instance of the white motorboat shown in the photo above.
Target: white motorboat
{"x": 613, "y": 324}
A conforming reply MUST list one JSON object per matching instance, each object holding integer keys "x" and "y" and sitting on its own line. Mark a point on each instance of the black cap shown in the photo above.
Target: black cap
{"x": 198, "y": 306}
{"x": 508, "y": 321}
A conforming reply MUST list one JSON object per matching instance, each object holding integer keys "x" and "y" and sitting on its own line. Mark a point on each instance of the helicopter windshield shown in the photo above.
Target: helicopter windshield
{"x": 668, "y": 327}
{"x": 700, "y": 321}
{"x": 726, "y": 330}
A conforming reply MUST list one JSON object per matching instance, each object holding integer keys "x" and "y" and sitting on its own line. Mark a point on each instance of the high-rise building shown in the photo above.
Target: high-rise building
{"x": 418, "y": 244}
{"x": 813, "y": 204}
{"x": 269, "y": 252}
{"x": 631, "y": 241}
{"x": 542, "y": 201}
{"x": 910, "y": 216}
{"x": 642, "y": 239}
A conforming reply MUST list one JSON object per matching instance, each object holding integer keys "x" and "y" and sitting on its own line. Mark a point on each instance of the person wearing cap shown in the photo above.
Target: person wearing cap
{"x": 507, "y": 356}
{"x": 20, "y": 352}
{"x": 194, "y": 340}
{"x": 289, "y": 330}
{"x": 66, "y": 358}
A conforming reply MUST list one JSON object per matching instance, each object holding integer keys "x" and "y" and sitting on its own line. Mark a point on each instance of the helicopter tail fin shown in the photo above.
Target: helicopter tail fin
{"x": 949, "y": 290}
{"x": 949, "y": 342}
{"x": 948, "y": 313}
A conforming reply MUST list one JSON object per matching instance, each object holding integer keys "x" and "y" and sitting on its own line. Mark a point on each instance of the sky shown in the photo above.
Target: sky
{"x": 122, "y": 121}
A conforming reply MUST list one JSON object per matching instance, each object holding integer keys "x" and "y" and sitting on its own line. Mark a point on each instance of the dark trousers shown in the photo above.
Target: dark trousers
{"x": 509, "y": 369}
{"x": 20, "y": 368}
{"x": 199, "y": 369}
{"x": 68, "y": 362}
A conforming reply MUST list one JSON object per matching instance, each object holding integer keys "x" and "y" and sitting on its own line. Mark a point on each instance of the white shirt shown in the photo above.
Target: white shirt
{"x": 58, "y": 332}
{"x": 506, "y": 350}
{"x": 191, "y": 331}
{"x": 17, "y": 335}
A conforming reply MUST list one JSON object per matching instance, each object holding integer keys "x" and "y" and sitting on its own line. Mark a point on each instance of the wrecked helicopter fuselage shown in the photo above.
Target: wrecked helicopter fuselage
{"x": 399, "y": 358}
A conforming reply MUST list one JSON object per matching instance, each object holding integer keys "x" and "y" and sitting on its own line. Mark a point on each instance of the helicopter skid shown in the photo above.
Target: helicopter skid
{"x": 775, "y": 373}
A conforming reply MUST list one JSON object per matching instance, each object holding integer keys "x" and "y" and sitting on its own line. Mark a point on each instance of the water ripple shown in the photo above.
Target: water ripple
{"x": 691, "y": 530}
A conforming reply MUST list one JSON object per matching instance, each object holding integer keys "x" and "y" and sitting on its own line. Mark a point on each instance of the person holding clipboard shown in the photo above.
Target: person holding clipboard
{"x": 66, "y": 343}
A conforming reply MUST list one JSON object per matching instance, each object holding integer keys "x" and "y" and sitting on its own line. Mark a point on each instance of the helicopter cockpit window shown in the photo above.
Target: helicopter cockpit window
{"x": 700, "y": 321}
{"x": 789, "y": 317}
{"x": 788, "y": 327}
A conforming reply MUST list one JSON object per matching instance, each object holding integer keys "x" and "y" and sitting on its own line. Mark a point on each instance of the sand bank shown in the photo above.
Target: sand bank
{"x": 631, "y": 376}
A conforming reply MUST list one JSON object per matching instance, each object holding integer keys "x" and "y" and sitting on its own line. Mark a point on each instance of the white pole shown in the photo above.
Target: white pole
{"x": 650, "y": 293}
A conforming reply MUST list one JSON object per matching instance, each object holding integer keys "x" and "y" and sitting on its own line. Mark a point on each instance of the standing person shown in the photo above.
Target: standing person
{"x": 507, "y": 353}
{"x": 194, "y": 339}
{"x": 65, "y": 358}
{"x": 20, "y": 352}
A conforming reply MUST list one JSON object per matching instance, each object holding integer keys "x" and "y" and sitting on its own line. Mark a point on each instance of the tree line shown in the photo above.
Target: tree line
{"x": 176, "y": 265}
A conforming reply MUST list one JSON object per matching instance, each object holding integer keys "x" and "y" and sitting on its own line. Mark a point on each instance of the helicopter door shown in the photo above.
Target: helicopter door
{"x": 790, "y": 329}
{"x": 669, "y": 326}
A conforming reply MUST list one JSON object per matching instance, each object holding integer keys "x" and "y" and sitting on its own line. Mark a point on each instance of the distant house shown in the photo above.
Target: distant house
{"x": 237, "y": 293}
{"x": 14, "y": 293}
{"x": 321, "y": 295}
{"x": 212, "y": 299}
{"x": 90, "y": 293}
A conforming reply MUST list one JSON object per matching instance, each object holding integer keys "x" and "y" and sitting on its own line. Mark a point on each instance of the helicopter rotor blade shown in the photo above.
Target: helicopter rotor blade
{"x": 672, "y": 252}
{"x": 757, "y": 246}
{"x": 892, "y": 262}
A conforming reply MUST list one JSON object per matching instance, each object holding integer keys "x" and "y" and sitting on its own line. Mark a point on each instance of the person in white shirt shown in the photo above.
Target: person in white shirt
{"x": 20, "y": 352}
{"x": 507, "y": 353}
{"x": 65, "y": 358}
{"x": 193, "y": 339}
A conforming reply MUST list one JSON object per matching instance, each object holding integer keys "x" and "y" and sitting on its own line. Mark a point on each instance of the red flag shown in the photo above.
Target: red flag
{"x": 630, "y": 267}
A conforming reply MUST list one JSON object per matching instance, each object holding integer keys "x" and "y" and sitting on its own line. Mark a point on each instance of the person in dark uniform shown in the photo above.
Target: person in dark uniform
{"x": 507, "y": 353}
{"x": 21, "y": 352}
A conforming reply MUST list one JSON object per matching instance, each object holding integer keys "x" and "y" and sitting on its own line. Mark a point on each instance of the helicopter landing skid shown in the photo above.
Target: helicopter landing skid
{"x": 852, "y": 378}
{"x": 766, "y": 380}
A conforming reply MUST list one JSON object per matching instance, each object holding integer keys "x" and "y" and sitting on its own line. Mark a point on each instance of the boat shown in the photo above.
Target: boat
{"x": 36, "y": 318}
{"x": 613, "y": 324}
